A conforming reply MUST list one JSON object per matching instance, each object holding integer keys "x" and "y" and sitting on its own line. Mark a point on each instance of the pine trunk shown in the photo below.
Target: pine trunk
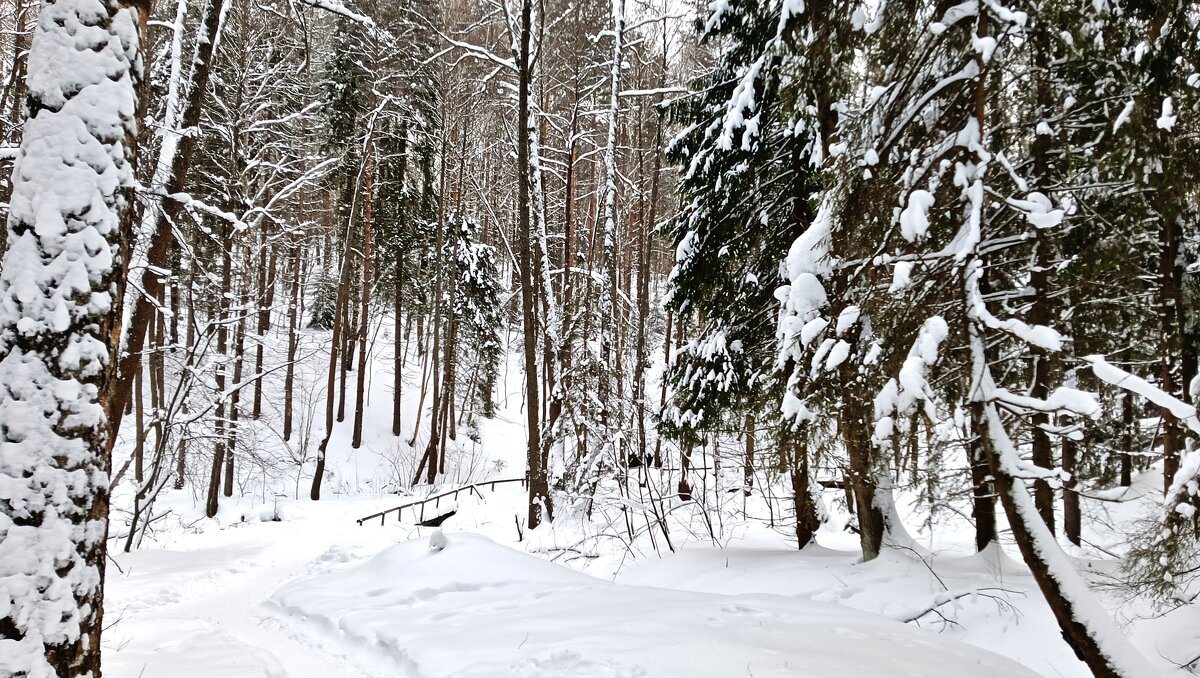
{"x": 289, "y": 376}
{"x": 538, "y": 483}
{"x": 364, "y": 314}
{"x": 334, "y": 342}
{"x": 807, "y": 519}
{"x": 983, "y": 492}
{"x": 861, "y": 474}
{"x": 161, "y": 236}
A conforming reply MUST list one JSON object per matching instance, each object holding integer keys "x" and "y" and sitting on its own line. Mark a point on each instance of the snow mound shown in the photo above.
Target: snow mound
{"x": 479, "y": 609}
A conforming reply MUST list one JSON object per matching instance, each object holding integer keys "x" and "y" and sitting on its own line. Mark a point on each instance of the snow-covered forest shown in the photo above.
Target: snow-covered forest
{"x": 603, "y": 338}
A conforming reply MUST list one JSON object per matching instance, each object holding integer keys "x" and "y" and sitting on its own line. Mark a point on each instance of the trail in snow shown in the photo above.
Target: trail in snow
{"x": 195, "y": 610}
{"x": 482, "y": 610}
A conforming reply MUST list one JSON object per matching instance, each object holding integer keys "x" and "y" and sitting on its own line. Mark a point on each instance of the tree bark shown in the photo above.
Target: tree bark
{"x": 160, "y": 240}
{"x": 398, "y": 347}
{"x": 239, "y": 361}
{"x": 365, "y": 313}
{"x": 539, "y": 490}
{"x": 1168, "y": 312}
{"x": 983, "y": 493}
{"x": 189, "y": 349}
{"x": 1085, "y": 625}
{"x": 266, "y": 300}
{"x": 1128, "y": 429}
{"x": 61, "y": 316}
{"x": 139, "y": 445}
{"x": 807, "y": 519}
{"x": 1039, "y": 278}
{"x": 861, "y": 474}
{"x": 609, "y": 354}
{"x": 1072, "y": 517}
{"x": 662, "y": 395}
{"x": 331, "y": 380}
{"x": 642, "y": 360}
{"x": 224, "y": 317}
{"x": 429, "y": 461}
{"x": 748, "y": 458}
{"x": 289, "y": 378}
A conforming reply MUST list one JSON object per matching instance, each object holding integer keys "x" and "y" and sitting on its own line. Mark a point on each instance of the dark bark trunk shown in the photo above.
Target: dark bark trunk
{"x": 398, "y": 347}
{"x": 642, "y": 360}
{"x": 1074, "y": 631}
{"x": 158, "y": 378}
{"x": 266, "y": 300}
{"x": 861, "y": 475}
{"x": 748, "y": 459}
{"x": 1043, "y": 453}
{"x": 539, "y": 491}
{"x": 223, "y": 320}
{"x": 1039, "y": 279}
{"x": 365, "y": 313}
{"x": 685, "y": 464}
{"x": 449, "y": 382}
{"x": 1168, "y": 311}
{"x": 139, "y": 446}
{"x": 1063, "y": 589}
{"x": 289, "y": 377}
{"x": 807, "y": 519}
{"x": 239, "y": 361}
{"x": 662, "y": 395}
{"x": 348, "y": 336}
{"x": 189, "y": 348}
{"x": 438, "y": 356}
{"x": 1072, "y": 518}
{"x": 983, "y": 493}
{"x": 331, "y": 380}
{"x": 1128, "y": 428}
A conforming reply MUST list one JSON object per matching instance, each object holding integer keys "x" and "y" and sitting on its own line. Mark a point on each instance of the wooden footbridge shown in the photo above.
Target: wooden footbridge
{"x": 418, "y": 506}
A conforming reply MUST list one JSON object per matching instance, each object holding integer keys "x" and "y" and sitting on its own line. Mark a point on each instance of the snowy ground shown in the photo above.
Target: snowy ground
{"x": 315, "y": 595}
{"x": 311, "y": 597}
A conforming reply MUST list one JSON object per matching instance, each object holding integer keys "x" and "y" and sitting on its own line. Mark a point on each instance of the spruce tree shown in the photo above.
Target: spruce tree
{"x": 756, "y": 131}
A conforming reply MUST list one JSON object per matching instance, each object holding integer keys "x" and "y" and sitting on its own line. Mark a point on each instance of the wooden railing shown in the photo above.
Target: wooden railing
{"x": 418, "y": 505}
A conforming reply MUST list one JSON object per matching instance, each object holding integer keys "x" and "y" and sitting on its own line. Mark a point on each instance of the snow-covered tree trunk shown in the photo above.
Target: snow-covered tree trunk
{"x": 364, "y": 316}
{"x": 58, "y": 305}
{"x": 539, "y": 489}
{"x": 553, "y": 345}
{"x": 171, "y": 176}
{"x": 1085, "y": 625}
{"x": 608, "y": 292}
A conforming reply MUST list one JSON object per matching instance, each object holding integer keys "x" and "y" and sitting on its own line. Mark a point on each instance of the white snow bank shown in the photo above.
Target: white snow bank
{"x": 1008, "y": 616}
{"x": 479, "y": 609}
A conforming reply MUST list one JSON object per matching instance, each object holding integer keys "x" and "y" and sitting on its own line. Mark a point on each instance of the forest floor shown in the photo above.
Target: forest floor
{"x": 317, "y": 595}
{"x": 279, "y": 586}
